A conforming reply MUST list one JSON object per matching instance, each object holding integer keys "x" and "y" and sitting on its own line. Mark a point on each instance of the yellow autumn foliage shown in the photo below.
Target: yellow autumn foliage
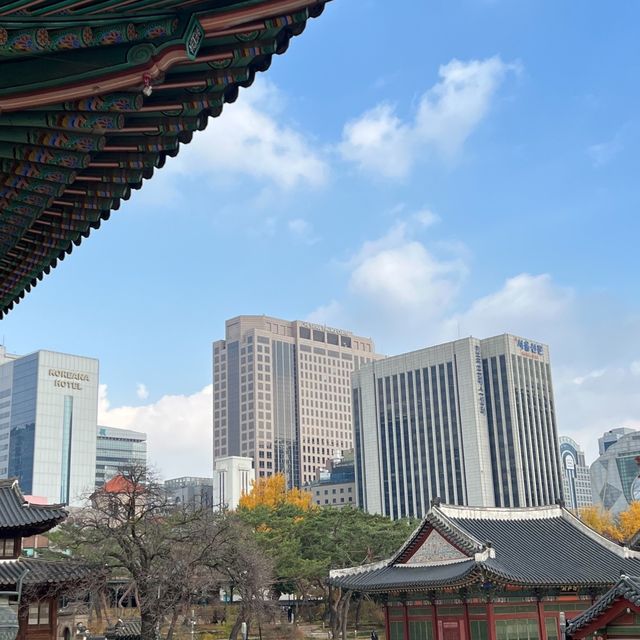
{"x": 629, "y": 521}
{"x": 620, "y": 529}
{"x": 272, "y": 492}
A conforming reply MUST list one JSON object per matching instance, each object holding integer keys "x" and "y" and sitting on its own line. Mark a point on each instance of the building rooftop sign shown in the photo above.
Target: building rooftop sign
{"x": 127, "y": 88}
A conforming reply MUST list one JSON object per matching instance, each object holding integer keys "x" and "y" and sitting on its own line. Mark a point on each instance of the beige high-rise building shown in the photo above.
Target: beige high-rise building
{"x": 282, "y": 393}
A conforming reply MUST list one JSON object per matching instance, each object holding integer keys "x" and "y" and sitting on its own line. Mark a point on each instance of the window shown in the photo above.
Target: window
{"x": 39, "y": 613}
{"x": 305, "y": 333}
{"x": 6, "y": 548}
{"x": 396, "y": 630}
{"x": 517, "y": 629}
{"x": 421, "y": 630}
{"x": 551, "y": 628}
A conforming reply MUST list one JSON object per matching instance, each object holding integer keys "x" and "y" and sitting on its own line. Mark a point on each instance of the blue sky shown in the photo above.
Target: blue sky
{"x": 409, "y": 170}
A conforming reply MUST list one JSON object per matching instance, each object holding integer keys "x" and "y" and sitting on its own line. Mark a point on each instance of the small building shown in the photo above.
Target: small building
{"x": 116, "y": 449}
{"x": 190, "y": 491}
{"x": 615, "y": 615}
{"x": 335, "y": 484}
{"x": 491, "y": 574}
{"x": 233, "y": 476}
{"x": 31, "y": 586}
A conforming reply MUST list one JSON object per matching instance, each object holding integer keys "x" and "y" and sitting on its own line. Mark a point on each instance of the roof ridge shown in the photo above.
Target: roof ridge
{"x": 621, "y": 550}
{"x": 501, "y": 513}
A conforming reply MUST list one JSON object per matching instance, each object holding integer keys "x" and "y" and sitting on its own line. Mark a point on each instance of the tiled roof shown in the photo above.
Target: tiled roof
{"x": 41, "y": 572}
{"x": 545, "y": 546}
{"x": 124, "y": 630}
{"x": 627, "y": 588}
{"x": 403, "y": 577}
{"x": 19, "y": 516}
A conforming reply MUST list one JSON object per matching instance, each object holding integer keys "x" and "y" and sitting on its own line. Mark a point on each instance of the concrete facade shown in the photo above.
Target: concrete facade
{"x": 282, "y": 393}
{"x": 470, "y": 421}
{"x": 232, "y": 478}
{"x": 191, "y": 492}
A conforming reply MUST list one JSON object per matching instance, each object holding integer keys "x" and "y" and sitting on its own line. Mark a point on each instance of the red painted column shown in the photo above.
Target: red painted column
{"x": 491, "y": 621}
{"x": 541, "y": 619}
{"x": 405, "y": 611}
{"x": 434, "y": 617}
{"x": 467, "y": 622}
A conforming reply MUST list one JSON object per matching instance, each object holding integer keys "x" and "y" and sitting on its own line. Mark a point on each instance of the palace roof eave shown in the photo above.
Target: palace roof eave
{"x": 70, "y": 153}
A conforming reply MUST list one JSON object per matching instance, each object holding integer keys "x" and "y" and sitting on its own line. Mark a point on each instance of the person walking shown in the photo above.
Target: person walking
{"x": 374, "y": 635}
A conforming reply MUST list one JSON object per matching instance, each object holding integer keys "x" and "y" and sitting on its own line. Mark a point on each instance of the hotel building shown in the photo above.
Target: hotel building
{"x": 282, "y": 393}
{"x": 471, "y": 422}
{"x": 48, "y": 416}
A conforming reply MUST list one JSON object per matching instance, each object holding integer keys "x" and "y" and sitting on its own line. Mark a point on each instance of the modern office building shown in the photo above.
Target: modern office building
{"x": 282, "y": 393}
{"x": 611, "y": 437}
{"x": 232, "y": 478}
{"x": 335, "y": 484}
{"x": 614, "y": 474}
{"x": 471, "y": 422}
{"x": 576, "y": 480}
{"x": 48, "y": 415}
{"x": 117, "y": 448}
{"x": 191, "y": 492}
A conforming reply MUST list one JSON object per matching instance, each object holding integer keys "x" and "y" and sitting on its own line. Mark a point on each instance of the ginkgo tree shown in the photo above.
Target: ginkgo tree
{"x": 272, "y": 492}
{"x": 620, "y": 528}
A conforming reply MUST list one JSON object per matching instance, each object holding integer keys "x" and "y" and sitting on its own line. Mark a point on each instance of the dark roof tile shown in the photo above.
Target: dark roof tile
{"x": 18, "y": 514}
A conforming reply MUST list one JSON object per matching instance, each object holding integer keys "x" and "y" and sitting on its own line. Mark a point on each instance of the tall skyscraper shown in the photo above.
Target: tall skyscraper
{"x": 48, "y": 414}
{"x": 615, "y": 473}
{"x": 576, "y": 480}
{"x": 471, "y": 422}
{"x": 116, "y": 448}
{"x": 611, "y": 437}
{"x": 282, "y": 393}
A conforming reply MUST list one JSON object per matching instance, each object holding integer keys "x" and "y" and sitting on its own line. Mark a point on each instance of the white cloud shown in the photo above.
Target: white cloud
{"x": 380, "y": 142}
{"x": 178, "y": 428}
{"x": 426, "y": 218}
{"x": 400, "y": 272}
{"x": 141, "y": 391}
{"x": 406, "y": 297}
{"x": 527, "y": 304}
{"x": 603, "y": 153}
{"x": 250, "y": 139}
{"x": 302, "y": 230}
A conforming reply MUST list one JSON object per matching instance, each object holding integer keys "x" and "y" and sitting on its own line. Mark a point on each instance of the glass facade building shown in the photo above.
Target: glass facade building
{"x": 614, "y": 473}
{"x": 48, "y": 414}
{"x": 471, "y": 422}
{"x": 117, "y": 448}
{"x": 282, "y": 394}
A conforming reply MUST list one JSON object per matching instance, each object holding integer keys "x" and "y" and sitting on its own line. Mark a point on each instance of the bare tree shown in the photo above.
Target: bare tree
{"x": 171, "y": 554}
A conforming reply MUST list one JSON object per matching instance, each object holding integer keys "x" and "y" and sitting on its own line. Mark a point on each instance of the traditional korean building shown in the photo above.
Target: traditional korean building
{"x": 615, "y": 615}
{"x": 30, "y": 587}
{"x": 491, "y": 574}
{"x": 96, "y": 95}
